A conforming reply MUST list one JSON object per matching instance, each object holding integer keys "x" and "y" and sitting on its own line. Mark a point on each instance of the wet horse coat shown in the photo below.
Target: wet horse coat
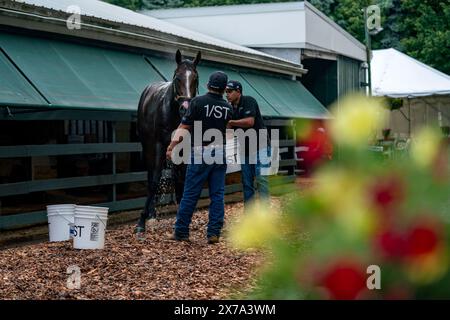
{"x": 160, "y": 109}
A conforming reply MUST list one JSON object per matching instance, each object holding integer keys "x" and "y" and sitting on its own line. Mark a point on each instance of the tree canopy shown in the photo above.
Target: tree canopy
{"x": 419, "y": 28}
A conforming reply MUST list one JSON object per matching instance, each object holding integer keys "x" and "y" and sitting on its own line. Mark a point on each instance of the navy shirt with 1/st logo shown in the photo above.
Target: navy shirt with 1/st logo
{"x": 212, "y": 110}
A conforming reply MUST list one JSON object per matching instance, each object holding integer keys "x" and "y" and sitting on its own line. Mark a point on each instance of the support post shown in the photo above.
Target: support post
{"x": 368, "y": 52}
{"x": 114, "y": 188}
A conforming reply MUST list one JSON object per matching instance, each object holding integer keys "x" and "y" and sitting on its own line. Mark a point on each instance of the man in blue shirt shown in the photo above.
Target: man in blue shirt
{"x": 246, "y": 115}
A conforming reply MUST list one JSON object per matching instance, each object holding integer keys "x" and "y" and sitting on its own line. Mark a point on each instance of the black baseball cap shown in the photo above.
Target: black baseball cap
{"x": 218, "y": 80}
{"x": 234, "y": 85}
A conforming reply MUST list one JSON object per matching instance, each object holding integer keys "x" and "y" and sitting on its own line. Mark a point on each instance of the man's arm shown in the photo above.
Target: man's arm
{"x": 243, "y": 123}
{"x": 250, "y": 111}
{"x": 177, "y": 138}
{"x": 186, "y": 123}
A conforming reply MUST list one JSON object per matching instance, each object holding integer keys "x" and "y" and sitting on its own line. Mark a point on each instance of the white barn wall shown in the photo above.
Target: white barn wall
{"x": 293, "y": 55}
{"x": 246, "y": 29}
{"x": 321, "y": 35}
{"x": 286, "y": 25}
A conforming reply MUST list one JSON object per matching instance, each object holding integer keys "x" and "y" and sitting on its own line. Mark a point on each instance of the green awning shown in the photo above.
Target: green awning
{"x": 288, "y": 97}
{"x": 80, "y": 76}
{"x": 15, "y": 90}
{"x": 165, "y": 67}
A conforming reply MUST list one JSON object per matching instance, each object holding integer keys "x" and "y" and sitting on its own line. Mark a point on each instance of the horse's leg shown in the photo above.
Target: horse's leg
{"x": 155, "y": 164}
{"x": 179, "y": 172}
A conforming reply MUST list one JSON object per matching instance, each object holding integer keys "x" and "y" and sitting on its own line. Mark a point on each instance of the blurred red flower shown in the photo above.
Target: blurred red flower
{"x": 388, "y": 193}
{"x": 345, "y": 280}
{"x": 391, "y": 244}
{"x": 422, "y": 240}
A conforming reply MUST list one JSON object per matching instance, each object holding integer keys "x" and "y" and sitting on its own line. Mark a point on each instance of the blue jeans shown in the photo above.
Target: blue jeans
{"x": 250, "y": 172}
{"x": 196, "y": 175}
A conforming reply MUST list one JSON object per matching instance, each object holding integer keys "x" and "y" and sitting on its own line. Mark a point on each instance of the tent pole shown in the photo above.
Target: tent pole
{"x": 368, "y": 51}
{"x": 409, "y": 116}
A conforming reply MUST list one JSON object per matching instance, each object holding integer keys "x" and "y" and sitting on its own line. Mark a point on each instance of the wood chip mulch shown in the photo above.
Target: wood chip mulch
{"x": 128, "y": 268}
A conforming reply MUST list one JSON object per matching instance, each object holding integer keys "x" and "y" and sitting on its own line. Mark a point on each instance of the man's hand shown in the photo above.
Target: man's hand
{"x": 243, "y": 123}
{"x": 169, "y": 154}
{"x": 182, "y": 130}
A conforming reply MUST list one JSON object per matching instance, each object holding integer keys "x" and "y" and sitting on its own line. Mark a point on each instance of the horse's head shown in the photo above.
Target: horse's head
{"x": 185, "y": 81}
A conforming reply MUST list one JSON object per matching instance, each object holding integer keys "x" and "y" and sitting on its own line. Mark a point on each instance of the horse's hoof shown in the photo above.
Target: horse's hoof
{"x": 139, "y": 229}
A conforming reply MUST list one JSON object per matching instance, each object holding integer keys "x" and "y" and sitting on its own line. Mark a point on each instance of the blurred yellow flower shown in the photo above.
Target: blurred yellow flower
{"x": 357, "y": 222}
{"x": 345, "y": 197}
{"x": 429, "y": 268}
{"x": 425, "y": 147}
{"x": 256, "y": 228}
{"x": 338, "y": 189}
{"x": 357, "y": 119}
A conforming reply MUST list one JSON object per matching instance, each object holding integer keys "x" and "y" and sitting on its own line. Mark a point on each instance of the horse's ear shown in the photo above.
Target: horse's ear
{"x": 197, "y": 58}
{"x": 178, "y": 57}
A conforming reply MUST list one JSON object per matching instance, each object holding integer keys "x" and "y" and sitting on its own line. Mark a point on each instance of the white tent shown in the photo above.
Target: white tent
{"x": 394, "y": 74}
{"x": 425, "y": 91}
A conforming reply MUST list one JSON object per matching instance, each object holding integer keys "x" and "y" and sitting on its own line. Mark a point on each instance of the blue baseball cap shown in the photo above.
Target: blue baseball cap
{"x": 234, "y": 85}
{"x": 218, "y": 80}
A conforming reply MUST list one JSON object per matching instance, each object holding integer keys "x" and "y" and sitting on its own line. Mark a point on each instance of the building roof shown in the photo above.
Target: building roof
{"x": 292, "y": 25}
{"x": 396, "y": 74}
{"x": 97, "y": 13}
{"x": 226, "y": 10}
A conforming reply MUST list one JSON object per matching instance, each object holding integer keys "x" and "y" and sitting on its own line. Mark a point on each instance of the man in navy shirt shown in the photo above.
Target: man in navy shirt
{"x": 247, "y": 116}
{"x": 213, "y": 113}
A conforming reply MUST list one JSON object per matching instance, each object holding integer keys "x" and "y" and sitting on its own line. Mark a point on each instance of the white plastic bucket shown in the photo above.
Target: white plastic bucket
{"x": 232, "y": 156}
{"x": 60, "y": 218}
{"x": 268, "y": 169}
{"x": 90, "y": 226}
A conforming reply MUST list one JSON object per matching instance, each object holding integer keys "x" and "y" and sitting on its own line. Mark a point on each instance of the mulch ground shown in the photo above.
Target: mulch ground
{"x": 128, "y": 268}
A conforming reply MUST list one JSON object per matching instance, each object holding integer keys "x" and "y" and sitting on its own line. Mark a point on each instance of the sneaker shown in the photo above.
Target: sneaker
{"x": 213, "y": 239}
{"x": 174, "y": 237}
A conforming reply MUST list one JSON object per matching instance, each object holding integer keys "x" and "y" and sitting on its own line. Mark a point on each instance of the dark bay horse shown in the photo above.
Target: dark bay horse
{"x": 160, "y": 109}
